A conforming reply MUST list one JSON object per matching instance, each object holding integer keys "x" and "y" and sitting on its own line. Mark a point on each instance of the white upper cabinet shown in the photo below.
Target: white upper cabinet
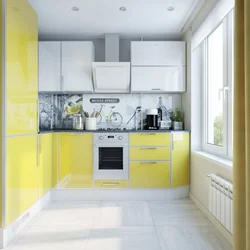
{"x": 77, "y": 58}
{"x": 49, "y": 66}
{"x": 65, "y": 66}
{"x": 158, "y": 79}
{"x": 158, "y": 53}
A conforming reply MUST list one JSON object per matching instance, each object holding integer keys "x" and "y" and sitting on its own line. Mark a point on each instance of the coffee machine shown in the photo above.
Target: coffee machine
{"x": 152, "y": 119}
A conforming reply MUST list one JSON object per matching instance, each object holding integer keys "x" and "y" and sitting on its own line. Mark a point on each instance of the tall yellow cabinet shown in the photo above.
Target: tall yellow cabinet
{"x": 22, "y": 156}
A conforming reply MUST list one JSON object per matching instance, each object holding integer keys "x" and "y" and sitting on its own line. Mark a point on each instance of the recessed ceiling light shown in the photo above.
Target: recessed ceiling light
{"x": 170, "y": 8}
{"x": 75, "y": 8}
{"x": 123, "y": 8}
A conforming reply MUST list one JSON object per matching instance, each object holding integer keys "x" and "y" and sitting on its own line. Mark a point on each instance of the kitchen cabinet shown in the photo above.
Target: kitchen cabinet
{"x": 77, "y": 58}
{"x": 180, "y": 159}
{"x": 149, "y": 153}
{"x": 149, "y": 174}
{"x": 65, "y": 66}
{"x": 158, "y": 79}
{"x": 55, "y": 159}
{"x": 75, "y": 160}
{"x": 21, "y": 68}
{"x": 21, "y": 175}
{"x": 161, "y": 53}
{"x": 111, "y": 184}
{"x": 49, "y": 66}
{"x": 149, "y": 139}
{"x": 45, "y": 163}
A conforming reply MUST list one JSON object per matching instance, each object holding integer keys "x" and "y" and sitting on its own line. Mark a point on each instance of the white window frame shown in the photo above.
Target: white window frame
{"x": 225, "y": 150}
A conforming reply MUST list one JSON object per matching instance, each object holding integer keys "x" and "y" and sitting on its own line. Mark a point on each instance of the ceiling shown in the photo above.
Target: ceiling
{"x": 148, "y": 18}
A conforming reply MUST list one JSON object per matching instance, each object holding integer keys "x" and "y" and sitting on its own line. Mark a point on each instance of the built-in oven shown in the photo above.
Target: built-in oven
{"x": 110, "y": 156}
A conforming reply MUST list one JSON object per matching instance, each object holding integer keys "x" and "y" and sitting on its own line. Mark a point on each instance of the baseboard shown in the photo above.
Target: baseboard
{"x": 215, "y": 222}
{"x": 124, "y": 194}
{"x": 20, "y": 223}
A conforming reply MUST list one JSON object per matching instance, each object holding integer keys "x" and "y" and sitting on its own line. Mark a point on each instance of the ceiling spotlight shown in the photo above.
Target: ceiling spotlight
{"x": 75, "y": 8}
{"x": 123, "y": 8}
{"x": 170, "y": 8}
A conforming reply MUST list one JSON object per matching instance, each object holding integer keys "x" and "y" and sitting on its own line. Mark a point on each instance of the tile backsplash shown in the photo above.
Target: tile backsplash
{"x": 56, "y": 109}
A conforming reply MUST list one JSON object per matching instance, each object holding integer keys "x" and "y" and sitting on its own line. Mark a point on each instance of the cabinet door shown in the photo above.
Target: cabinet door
{"x": 158, "y": 53}
{"x": 81, "y": 169}
{"x": 180, "y": 159}
{"x": 21, "y": 68}
{"x": 149, "y": 174}
{"x": 21, "y": 175}
{"x": 45, "y": 163}
{"x": 65, "y": 160}
{"x": 49, "y": 66}
{"x": 77, "y": 58}
{"x": 149, "y": 153}
{"x": 149, "y": 139}
{"x": 55, "y": 159}
{"x": 158, "y": 79}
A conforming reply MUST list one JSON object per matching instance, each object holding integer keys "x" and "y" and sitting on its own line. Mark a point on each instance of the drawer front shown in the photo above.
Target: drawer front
{"x": 149, "y": 139}
{"x": 149, "y": 174}
{"x": 111, "y": 184}
{"x": 157, "y": 154}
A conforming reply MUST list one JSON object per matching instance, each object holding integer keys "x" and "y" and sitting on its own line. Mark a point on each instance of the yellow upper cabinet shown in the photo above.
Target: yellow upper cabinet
{"x": 21, "y": 175}
{"x": 149, "y": 139}
{"x": 22, "y": 68}
{"x": 180, "y": 159}
{"x": 45, "y": 163}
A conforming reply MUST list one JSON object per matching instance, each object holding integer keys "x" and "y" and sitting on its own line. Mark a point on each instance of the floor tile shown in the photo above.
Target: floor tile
{"x": 123, "y": 238}
{"x": 51, "y": 238}
{"x": 68, "y": 213}
{"x": 164, "y": 213}
{"x": 134, "y": 213}
{"x": 191, "y": 238}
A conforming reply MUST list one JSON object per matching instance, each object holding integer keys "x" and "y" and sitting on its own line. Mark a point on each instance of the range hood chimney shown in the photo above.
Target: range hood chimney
{"x": 111, "y": 76}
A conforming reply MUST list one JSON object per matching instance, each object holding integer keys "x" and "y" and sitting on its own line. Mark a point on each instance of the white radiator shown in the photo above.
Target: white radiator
{"x": 221, "y": 200}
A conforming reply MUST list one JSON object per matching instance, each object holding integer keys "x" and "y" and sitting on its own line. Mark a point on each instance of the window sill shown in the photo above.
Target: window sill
{"x": 215, "y": 159}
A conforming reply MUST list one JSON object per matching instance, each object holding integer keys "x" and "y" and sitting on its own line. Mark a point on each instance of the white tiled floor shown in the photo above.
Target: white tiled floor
{"x": 172, "y": 225}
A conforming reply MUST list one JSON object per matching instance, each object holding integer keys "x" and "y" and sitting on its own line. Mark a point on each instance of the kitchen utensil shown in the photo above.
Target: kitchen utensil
{"x": 78, "y": 122}
{"x": 165, "y": 124}
{"x": 90, "y": 123}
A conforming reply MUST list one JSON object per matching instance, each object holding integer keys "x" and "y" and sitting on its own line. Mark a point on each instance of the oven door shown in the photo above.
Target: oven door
{"x": 111, "y": 162}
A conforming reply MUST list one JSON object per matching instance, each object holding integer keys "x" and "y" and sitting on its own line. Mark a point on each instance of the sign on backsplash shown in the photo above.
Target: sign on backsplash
{"x": 104, "y": 100}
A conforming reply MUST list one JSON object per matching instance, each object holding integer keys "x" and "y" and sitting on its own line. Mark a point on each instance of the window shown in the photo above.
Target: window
{"x": 218, "y": 89}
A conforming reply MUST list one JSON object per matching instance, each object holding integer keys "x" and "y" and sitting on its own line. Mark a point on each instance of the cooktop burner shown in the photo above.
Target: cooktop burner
{"x": 112, "y": 129}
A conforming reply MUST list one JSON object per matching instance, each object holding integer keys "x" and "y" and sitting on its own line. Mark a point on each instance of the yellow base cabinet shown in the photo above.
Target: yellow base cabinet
{"x": 180, "y": 159}
{"x": 75, "y": 160}
{"x": 21, "y": 175}
{"x": 149, "y": 139}
{"x": 45, "y": 163}
{"x": 149, "y": 174}
{"x": 111, "y": 184}
{"x": 149, "y": 153}
{"x": 55, "y": 159}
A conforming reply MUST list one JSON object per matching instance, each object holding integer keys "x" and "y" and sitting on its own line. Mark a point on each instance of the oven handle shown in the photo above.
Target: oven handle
{"x": 113, "y": 145}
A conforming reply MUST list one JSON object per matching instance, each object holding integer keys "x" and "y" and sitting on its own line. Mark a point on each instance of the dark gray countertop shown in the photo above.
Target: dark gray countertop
{"x": 105, "y": 131}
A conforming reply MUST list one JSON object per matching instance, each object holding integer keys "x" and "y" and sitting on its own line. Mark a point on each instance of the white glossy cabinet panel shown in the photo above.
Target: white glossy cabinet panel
{"x": 145, "y": 53}
{"x": 158, "y": 79}
{"x": 49, "y": 66}
{"x": 77, "y": 58}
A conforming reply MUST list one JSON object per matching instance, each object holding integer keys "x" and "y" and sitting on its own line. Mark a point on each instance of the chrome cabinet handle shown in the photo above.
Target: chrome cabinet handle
{"x": 148, "y": 162}
{"x": 155, "y": 89}
{"x": 148, "y": 148}
{"x": 148, "y": 134}
{"x": 110, "y": 183}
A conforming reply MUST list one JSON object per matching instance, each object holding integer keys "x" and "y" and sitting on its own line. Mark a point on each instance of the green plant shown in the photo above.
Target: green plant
{"x": 177, "y": 115}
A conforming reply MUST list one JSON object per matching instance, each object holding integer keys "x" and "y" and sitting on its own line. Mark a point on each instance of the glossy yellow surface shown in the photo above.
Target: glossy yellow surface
{"x": 149, "y": 139}
{"x": 149, "y": 153}
{"x": 1, "y": 114}
{"x": 180, "y": 159}
{"x": 111, "y": 184}
{"x": 21, "y": 175}
{"x": 55, "y": 159}
{"x": 76, "y": 157}
{"x": 22, "y": 68}
{"x": 45, "y": 163}
{"x": 149, "y": 174}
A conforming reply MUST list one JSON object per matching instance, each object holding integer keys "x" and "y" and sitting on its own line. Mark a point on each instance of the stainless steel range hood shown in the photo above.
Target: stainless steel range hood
{"x": 111, "y": 76}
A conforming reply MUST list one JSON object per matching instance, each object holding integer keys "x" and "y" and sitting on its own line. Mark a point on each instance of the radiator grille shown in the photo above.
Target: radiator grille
{"x": 221, "y": 200}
